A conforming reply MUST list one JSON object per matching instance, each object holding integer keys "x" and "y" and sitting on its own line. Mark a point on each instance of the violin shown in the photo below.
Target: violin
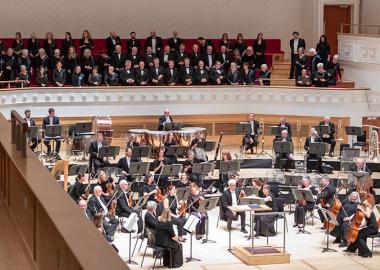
{"x": 130, "y": 200}
{"x": 159, "y": 196}
{"x": 112, "y": 208}
{"x": 183, "y": 208}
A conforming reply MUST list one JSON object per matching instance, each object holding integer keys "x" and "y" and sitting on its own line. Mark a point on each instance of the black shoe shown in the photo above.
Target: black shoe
{"x": 198, "y": 237}
{"x": 123, "y": 230}
{"x": 367, "y": 255}
{"x": 343, "y": 244}
{"x": 229, "y": 226}
{"x": 295, "y": 225}
{"x": 243, "y": 230}
{"x": 336, "y": 241}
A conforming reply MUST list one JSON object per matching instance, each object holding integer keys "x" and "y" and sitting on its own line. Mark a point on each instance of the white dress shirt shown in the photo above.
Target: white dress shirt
{"x": 295, "y": 46}
{"x": 234, "y": 198}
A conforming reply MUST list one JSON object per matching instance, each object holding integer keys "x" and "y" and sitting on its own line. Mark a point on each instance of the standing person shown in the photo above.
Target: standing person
{"x": 94, "y": 151}
{"x": 259, "y": 47}
{"x": 323, "y": 49}
{"x": 51, "y": 120}
{"x": 329, "y": 138}
{"x": 86, "y": 41}
{"x": 295, "y": 44}
{"x": 112, "y": 41}
{"x": 66, "y": 44}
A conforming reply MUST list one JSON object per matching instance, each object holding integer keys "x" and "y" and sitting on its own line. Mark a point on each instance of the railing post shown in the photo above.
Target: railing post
{"x": 19, "y": 130}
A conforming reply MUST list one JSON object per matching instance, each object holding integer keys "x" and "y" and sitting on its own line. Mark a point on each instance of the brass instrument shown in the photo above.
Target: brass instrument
{"x": 340, "y": 139}
{"x": 261, "y": 131}
{"x": 374, "y": 144}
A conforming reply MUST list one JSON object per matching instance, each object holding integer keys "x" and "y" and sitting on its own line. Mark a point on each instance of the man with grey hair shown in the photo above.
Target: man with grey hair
{"x": 265, "y": 73}
{"x": 316, "y": 59}
{"x": 333, "y": 68}
{"x": 150, "y": 218}
{"x": 164, "y": 119}
{"x": 231, "y": 198}
{"x": 312, "y": 138}
{"x": 329, "y": 137}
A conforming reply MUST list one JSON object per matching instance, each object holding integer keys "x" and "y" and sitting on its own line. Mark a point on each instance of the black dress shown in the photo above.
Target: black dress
{"x": 147, "y": 189}
{"x": 264, "y": 225}
{"x": 164, "y": 235}
{"x": 178, "y": 221}
{"x": 193, "y": 201}
{"x": 323, "y": 49}
{"x": 161, "y": 180}
{"x": 49, "y": 47}
{"x": 259, "y": 48}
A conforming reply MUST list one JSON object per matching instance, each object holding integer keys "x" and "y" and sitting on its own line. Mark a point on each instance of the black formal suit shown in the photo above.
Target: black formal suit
{"x": 94, "y": 159}
{"x": 35, "y": 141}
{"x": 171, "y": 75}
{"x": 215, "y": 74}
{"x": 111, "y": 43}
{"x": 46, "y": 122}
{"x": 134, "y": 58}
{"x": 174, "y": 43}
{"x": 325, "y": 198}
{"x": 253, "y": 135}
{"x": 209, "y": 60}
{"x": 166, "y": 57}
{"x": 148, "y": 43}
{"x": 154, "y": 72}
{"x": 142, "y": 76}
{"x": 225, "y": 213}
{"x": 162, "y": 120}
{"x": 309, "y": 156}
{"x": 186, "y": 73}
{"x": 354, "y": 168}
{"x": 225, "y": 59}
{"x": 148, "y": 59}
{"x": 94, "y": 206}
{"x": 319, "y": 76}
{"x": 133, "y": 43}
{"x": 286, "y": 156}
{"x": 127, "y": 74}
{"x": 123, "y": 210}
{"x": 150, "y": 221}
{"x": 294, "y": 54}
{"x": 201, "y": 74}
{"x": 233, "y": 78}
{"x": 118, "y": 60}
{"x": 123, "y": 164}
{"x": 331, "y": 139}
{"x": 195, "y": 58}
{"x": 180, "y": 57}
{"x": 248, "y": 78}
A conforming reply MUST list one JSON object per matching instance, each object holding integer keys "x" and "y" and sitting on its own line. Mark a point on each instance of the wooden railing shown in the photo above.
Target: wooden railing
{"x": 51, "y": 228}
{"x": 13, "y": 82}
{"x": 361, "y": 29}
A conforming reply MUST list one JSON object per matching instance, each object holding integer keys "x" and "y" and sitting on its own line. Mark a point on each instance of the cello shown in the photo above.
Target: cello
{"x": 334, "y": 209}
{"x": 353, "y": 229}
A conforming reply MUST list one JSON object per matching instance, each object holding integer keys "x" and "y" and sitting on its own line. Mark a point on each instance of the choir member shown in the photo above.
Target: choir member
{"x": 70, "y": 62}
{"x": 203, "y": 43}
{"x": 249, "y": 56}
{"x": 193, "y": 200}
{"x": 111, "y": 78}
{"x": 59, "y": 75}
{"x": 127, "y": 74}
{"x": 51, "y": 120}
{"x": 304, "y": 79}
{"x": 186, "y": 73}
{"x": 224, "y": 41}
{"x": 33, "y": 46}
{"x": 142, "y": 74}
{"x": 195, "y": 56}
{"x": 315, "y": 60}
{"x": 333, "y": 68}
{"x": 264, "y": 224}
{"x": 259, "y": 46}
{"x": 112, "y": 41}
{"x": 94, "y": 147}
{"x": 181, "y": 55}
{"x": 166, "y": 56}
{"x": 224, "y": 58}
{"x": 240, "y": 43}
{"x": 78, "y": 188}
{"x": 165, "y": 118}
{"x": 94, "y": 79}
{"x": 103, "y": 61}
{"x": 288, "y": 156}
{"x": 174, "y": 42}
{"x": 134, "y": 57}
{"x": 49, "y": 44}
{"x": 2, "y": 64}
{"x": 118, "y": 58}
{"x": 201, "y": 74}
{"x": 295, "y": 44}
{"x": 303, "y": 206}
{"x": 247, "y": 74}
{"x": 325, "y": 195}
{"x": 312, "y": 138}
{"x": 24, "y": 60}
{"x": 133, "y": 42}
{"x": 231, "y": 198}
{"x": 233, "y": 75}
{"x": 86, "y": 41}
{"x": 87, "y": 63}
{"x": 329, "y": 138}
{"x": 77, "y": 78}
{"x": 323, "y": 49}
{"x": 42, "y": 77}
{"x": 2, "y": 48}
{"x": 209, "y": 58}
{"x": 18, "y": 44}
{"x": 300, "y": 61}
{"x": 148, "y": 57}
{"x": 156, "y": 73}
{"x": 217, "y": 74}
{"x": 171, "y": 74}
{"x": 10, "y": 65}
{"x": 24, "y": 76}
{"x": 67, "y": 42}
{"x": 154, "y": 41}
{"x": 236, "y": 58}
{"x": 265, "y": 73}
{"x": 124, "y": 163}
{"x": 166, "y": 238}
{"x": 56, "y": 57}
{"x": 42, "y": 60}
{"x": 252, "y": 139}
{"x": 321, "y": 77}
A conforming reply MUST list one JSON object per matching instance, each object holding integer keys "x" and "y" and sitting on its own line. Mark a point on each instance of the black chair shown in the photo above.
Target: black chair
{"x": 373, "y": 237}
{"x": 157, "y": 251}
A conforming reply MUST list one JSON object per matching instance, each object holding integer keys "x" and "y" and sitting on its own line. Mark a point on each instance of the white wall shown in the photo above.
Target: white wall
{"x": 369, "y": 14}
{"x": 210, "y": 18}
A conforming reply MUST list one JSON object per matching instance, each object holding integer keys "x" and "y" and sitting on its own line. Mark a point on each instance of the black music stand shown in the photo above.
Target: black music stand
{"x": 83, "y": 128}
{"x": 292, "y": 180}
{"x": 303, "y": 195}
{"x": 172, "y": 126}
{"x": 322, "y": 129}
{"x": 276, "y": 130}
{"x": 33, "y": 133}
{"x": 226, "y": 167}
{"x": 108, "y": 151}
{"x": 207, "y": 205}
{"x": 189, "y": 227}
{"x": 170, "y": 171}
{"x": 330, "y": 218}
{"x": 243, "y": 128}
{"x": 353, "y": 131}
{"x": 141, "y": 151}
{"x": 202, "y": 168}
{"x": 319, "y": 149}
{"x": 208, "y": 146}
{"x": 250, "y": 190}
{"x": 138, "y": 168}
{"x": 282, "y": 148}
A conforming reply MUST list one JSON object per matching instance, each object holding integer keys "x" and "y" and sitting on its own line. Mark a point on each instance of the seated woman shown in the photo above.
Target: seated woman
{"x": 247, "y": 74}
{"x": 304, "y": 79}
{"x": 264, "y": 225}
{"x": 183, "y": 181}
{"x": 303, "y": 206}
{"x": 150, "y": 218}
{"x": 78, "y": 188}
{"x": 173, "y": 205}
{"x": 233, "y": 75}
{"x": 149, "y": 187}
{"x": 77, "y": 77}
{"x": 193, "y": 200}
{"x": 321, "y": 77}
{"x": 166, "y": 238}
{"x": 111, "y": 78}
{"x": 42, "y": 77}
{"x": 158, "y": 163}
{"x": 24, "y": 76}
{"x": 59, "y": 75}
{"x": 201, "y": 74}
{"x": 170, "y": 141}
{"x": 265, "y": 73}
{"x": 223, "y": 177}
{"x": 95, "y": 79}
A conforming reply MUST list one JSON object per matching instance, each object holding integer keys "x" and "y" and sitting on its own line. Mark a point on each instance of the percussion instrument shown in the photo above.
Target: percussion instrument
{"x": 103, "y": 124}
{"x": 187, "y": 134}
{"x": 140, "y": 135}
{"x": 156, "y": 138}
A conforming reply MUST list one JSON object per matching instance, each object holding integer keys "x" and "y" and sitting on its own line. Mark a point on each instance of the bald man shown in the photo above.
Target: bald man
{"x": 165, "y": 118}
{"x": 111, "y": 42}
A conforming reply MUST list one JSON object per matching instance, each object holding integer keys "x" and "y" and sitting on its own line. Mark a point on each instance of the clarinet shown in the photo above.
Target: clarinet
{"x": 218, "y": 148}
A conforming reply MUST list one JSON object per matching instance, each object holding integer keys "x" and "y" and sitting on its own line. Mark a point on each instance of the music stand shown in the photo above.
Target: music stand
{"x": 208, "y": 146}
{"x": 249, "y": 190}
{"x": 53, "y": 132}
{"x": 138, "y": 168}
{"x": 202, "y": 168}
{"x": 141, "y": 151}
{"x": 108, "y": 151}
{"x": 172, "y": 150}
{"x": 207, "y": 205}
{"x": 83, "y": 128}
{"x": 170, "y": 171}
{"x": 243, "y": 128}
{"x": 33, "y": 132}
{"x": 172, "y": 126}
{"x": 77, "y": 168}
{"x": 322, "y": 129}
{"x": 292, "y": 180}
{"x": 229, "y": 166}
{"x": 330, "y": 218}
{"x": 128, "y": 226}
{"x": 276, "y": 130}
{"x": 181, "y": 192}
{"x": 353, "y": 131}
{"x": 282, "y": 147}
{"x": 189, "y": 227}
{"x": 303, "y": 195}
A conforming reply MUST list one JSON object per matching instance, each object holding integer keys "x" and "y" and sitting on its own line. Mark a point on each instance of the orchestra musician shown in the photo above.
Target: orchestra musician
{"x": 105, "y": 181}
{"x": 125, "y": 162}
{"x": 158, "y": 163}
{"x": 198, "y": 138}
{"x": 188, "y": 168}
{"x": 93, "y": 149}
{"x": 303, "y": 206}
{"x": 149, "y": 186}
{"x": 97, "y": 204}
{"x": 150, "y": 218}
{"x": 193, "y": 200}
{"x": 78, "y": 188}
{"x": 231, "y": 197}
{"x": 170, "y": 141}
{"x": 312, "y": 138}
{"x": 132, "y": 142}
{"x": 183, "y": 181}
{"x": 264, "y": 225}
{"x": 251, "y": 140}
{"x": 288, "y": 156}
{"x": 165, "y": 118}
{"x": 325, "y": 195}
{"x": 369, "y": 226}
{"x": 223, "y": 177}
{"x": 344, "y": 217}
{"x": 124, "y": 207}
{"x": 31, "y": 123}
{"x": 284, "y": 124}
{"x": 171, "y": 202}
{"x": 51, "y": 120}
{"x": 329, "y": 138}
{"x": 359, "y": 167}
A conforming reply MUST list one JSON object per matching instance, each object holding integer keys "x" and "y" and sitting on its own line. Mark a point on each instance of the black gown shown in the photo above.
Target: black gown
{"x": 164, "y": 235}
